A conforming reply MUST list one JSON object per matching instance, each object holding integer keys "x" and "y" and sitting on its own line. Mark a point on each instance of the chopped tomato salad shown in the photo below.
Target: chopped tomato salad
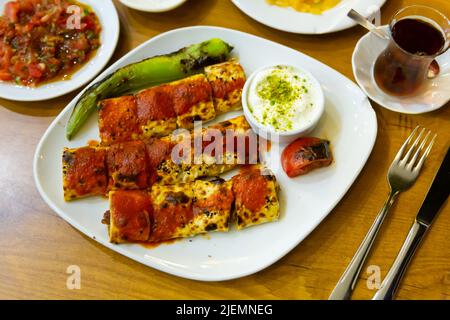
{"x": 44, "y": 39}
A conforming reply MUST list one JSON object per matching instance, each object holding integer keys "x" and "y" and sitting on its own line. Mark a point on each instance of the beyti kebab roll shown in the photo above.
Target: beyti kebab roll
{"x": 84, "y": 172}
{"x": 186, "y": 210}
{"x": 158, "y": 111}
{"x": 92, "y": 170}
{"x": 167, "y": 212}
{"x": 224, "y": 146}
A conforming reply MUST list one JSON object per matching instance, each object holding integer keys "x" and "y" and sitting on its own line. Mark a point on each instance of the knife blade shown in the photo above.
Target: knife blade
{"x": 438, "y": 193}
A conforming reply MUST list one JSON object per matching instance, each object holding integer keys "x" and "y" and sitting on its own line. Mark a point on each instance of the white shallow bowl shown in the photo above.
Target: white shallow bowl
{"x": 287, "y": 19}
{"x": 107, "y": 14}
{"x": 432, "y": 97}
{"x": 349, "y": 123}
{"x": 291, "y": 135}
{"x": 153, "y": 5}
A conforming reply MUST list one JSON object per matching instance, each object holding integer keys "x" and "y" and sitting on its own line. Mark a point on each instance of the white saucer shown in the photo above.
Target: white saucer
{"x": 435, "y": 95}
{"x": 153, "y": 5}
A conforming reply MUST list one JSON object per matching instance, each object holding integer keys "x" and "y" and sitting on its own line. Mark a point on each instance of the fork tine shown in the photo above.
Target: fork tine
{"x": 411, "y": 149}
{"x": 405, "y": 144}
{"x": 425, "y": 155}
{"x": 416, "y": 154}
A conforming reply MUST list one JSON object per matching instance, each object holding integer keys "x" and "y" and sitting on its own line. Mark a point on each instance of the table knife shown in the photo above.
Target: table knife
{"x": 433, "y": 202}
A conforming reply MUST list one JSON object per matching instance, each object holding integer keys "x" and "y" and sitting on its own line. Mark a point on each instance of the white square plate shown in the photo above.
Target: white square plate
{"x": 349, "y": 123}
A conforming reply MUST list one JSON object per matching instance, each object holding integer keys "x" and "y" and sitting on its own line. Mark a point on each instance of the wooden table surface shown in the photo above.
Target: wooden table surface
{"x": 36, "y": 246}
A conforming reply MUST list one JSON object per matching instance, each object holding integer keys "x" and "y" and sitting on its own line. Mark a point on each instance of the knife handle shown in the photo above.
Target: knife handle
{"x": 390, "y": 283}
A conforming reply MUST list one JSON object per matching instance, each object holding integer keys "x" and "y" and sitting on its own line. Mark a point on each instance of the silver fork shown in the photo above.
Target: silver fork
{"x": 402, "y": 174}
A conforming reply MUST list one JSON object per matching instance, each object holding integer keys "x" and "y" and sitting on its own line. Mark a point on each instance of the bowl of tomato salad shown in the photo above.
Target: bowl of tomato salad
{"x": 42, "y": 40}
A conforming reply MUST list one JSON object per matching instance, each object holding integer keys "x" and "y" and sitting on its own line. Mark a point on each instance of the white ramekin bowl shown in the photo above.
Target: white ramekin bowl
{"x": 283, "y": 136}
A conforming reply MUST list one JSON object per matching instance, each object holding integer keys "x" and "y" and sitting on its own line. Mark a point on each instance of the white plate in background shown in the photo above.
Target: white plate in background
{"x": 153, "y": 5}
{"x": 349, "y": 123}
{"x": 287, "y": 19}
{"x": 109, "y": 20}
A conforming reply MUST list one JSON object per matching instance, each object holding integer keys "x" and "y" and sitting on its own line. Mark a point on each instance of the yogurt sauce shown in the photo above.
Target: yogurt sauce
{"x": 283, "y": 98}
